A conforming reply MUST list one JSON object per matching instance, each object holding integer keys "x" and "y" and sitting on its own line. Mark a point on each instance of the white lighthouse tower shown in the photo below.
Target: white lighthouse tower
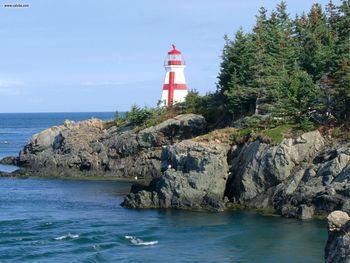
{"x": 175, "y": 87}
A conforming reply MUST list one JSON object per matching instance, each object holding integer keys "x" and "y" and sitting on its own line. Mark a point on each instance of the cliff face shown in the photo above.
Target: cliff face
{"x": 195, "y": 177}
{"x": 338, "y": 244}
{"x": 297, "y": 178}
{"x": 86, "y": 148}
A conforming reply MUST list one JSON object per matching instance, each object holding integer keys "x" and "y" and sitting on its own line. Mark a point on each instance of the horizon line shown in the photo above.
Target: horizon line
{"x": 38, "y": 112}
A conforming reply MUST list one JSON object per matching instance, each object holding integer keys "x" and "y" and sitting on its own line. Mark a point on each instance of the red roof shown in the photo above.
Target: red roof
{"x": 174, "y": 51}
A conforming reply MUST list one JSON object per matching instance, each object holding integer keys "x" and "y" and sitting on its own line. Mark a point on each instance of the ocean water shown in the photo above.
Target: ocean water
{"x": 45, "y": 220}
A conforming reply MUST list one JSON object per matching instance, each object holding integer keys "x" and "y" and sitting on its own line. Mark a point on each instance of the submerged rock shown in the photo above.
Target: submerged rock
{"x": 195, "y": 178}
{"x": 10, "y": 160}
{"x": 337, "y": 249}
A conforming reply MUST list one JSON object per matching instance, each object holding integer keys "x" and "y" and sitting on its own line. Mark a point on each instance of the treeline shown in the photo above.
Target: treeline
{"x": 288, "y": 67}
{"x": 285, "y": 71}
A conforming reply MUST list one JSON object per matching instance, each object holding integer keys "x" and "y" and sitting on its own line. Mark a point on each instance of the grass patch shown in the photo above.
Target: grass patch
{"x": 237, "y": 135}
{"x": 219, "y": 135}
{"x": 278, "y": 133}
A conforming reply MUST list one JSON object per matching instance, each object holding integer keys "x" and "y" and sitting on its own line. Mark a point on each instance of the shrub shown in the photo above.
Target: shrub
{"x": 138, "y": 116}
{"x": 209, "y": 106}
{"x": 119, "y": 119}
{"x": 236, "y": 136}
{"x": 305, "y": 124}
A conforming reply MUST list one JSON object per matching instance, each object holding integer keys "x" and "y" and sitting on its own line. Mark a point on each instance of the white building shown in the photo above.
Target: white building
{"x": 175, "y": 87}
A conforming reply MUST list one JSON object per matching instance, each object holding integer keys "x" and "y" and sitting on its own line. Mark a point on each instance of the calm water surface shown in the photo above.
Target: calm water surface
{"x": 81, "y": 221}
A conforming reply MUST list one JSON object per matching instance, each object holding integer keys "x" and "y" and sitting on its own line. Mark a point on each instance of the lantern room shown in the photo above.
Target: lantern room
{"x": 174, "y": 57}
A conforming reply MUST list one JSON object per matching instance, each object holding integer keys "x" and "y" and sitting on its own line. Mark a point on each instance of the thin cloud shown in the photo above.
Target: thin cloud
{"x": 10, "y": 87}
{"x": 9, "y": 91}
{"x": 10, "y": 83}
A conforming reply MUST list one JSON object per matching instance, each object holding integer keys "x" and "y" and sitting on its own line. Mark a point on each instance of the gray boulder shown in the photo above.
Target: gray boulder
{"x": 337, "y": 249}
{"x": 195, "y": 177}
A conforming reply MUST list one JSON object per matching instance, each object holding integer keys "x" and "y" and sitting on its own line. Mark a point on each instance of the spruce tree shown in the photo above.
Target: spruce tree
{"x": 341, "y": 73}
{"x": 287, "y": 67}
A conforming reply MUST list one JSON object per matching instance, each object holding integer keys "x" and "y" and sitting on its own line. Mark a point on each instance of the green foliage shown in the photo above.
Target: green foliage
{"x": 254, "y": 121}
{"x": 285, "y": 67}
{"x": 238, "y": 134}
{"x": 138, "y": 115}
{"x": 305, "y": 124}
{"x": 210, "y": 106}
{"x": 297, "y": 95}
{"x": 119, "y": 119}
{"x": 277, "y": 133}
{"x": 141, "y": 118}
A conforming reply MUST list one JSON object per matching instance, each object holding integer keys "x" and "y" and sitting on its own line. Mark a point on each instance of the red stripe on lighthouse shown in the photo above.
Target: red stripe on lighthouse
{"x": 176, "y": 87}
{"x": 171, "y": 87}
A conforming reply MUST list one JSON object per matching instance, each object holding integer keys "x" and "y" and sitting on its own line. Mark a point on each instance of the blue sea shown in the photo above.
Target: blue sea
{"x": 55, "y": 220}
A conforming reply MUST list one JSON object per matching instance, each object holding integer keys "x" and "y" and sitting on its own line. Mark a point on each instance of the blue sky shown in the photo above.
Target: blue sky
{"x": 105, "y": 55}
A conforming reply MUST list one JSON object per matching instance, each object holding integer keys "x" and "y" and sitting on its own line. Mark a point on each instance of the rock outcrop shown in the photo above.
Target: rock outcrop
{"x": 195, "y": 177}
{"x": 86, "y": 148}
{"x": 338, "y": 244}
{"x": 298, "y": 177}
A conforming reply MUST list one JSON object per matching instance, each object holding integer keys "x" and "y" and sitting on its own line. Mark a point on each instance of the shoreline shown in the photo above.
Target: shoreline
{"x": 269, "y": 212}
{"x": 183, "y": 172}
{"x": 69, "y": 178}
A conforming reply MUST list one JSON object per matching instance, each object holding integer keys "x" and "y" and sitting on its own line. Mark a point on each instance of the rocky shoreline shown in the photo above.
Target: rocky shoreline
{"x": 303, "y": 177}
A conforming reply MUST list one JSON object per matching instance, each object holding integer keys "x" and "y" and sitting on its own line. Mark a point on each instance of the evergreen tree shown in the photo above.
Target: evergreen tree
{"x": 298, "y": 96}
{"x": 316, "y": 43}
{"x": 342, "y": 63}
{"x": 235, "y": 75}
{"x": 286, "y": 67}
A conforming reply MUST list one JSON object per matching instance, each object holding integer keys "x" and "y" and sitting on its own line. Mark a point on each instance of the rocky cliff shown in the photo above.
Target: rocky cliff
{"x": 88, "y": 149}
{"x": 299, "y": 177}
{"x": 338, "y": 244}
{"x": 195, "y": 177}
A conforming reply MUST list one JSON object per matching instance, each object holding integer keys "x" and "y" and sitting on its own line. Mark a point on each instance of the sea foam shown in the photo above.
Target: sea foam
{"x": 139, "y": 242}
{"x": 69, "y": 236}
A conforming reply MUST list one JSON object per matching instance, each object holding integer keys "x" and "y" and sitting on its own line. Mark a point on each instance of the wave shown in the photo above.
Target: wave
{"x": 69, "y": 236}
{"x": 139, "y": 242}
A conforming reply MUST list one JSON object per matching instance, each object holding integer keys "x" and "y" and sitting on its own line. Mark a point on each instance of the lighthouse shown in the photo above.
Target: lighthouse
{"x": 175, "y": 87}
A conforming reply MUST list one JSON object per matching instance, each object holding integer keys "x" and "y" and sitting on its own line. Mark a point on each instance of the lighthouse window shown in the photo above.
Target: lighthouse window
{"x": 174, "y": 57}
